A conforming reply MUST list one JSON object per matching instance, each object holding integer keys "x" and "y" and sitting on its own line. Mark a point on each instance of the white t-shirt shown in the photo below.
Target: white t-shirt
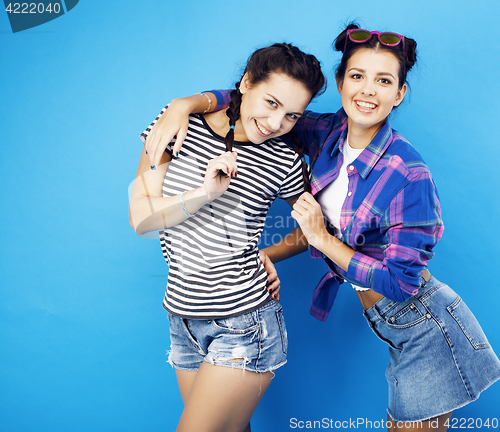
{"x": 332, "y": 197}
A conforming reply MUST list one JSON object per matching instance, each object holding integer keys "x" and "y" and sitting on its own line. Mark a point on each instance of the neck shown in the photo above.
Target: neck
{"x": 219, "y": 122}
{"x": 360, "y": 138}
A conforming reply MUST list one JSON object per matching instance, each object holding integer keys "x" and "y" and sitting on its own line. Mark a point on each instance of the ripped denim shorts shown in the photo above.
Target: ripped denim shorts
{"x": 255, "y": 341}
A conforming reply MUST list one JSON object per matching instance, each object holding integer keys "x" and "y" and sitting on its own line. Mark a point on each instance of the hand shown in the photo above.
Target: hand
{"x": 218, "y": 174}
{"x": 273, "y": 282}
{"x": 307, "y": 212}
{"x": 173, "y": 122}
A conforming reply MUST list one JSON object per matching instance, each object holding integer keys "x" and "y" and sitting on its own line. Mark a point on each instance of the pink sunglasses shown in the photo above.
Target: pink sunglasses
{"x": 385, "y": 38}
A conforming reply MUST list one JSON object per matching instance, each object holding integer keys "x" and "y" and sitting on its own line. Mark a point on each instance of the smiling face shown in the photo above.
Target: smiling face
{"x": 370, "y": 90}
{"x": 270, "y": 108}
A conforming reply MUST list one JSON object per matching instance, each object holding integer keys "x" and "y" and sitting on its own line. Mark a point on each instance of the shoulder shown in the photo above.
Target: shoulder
{"x": 324, "y": 122}
{"x": 403, "y": 150}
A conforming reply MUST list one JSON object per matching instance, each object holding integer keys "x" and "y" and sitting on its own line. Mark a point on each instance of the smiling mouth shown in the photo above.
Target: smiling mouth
{"x": 264, "y": 131}
{"x": 366, "y": 105}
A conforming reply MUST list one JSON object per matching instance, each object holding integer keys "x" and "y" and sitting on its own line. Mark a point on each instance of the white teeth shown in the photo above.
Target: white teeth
{"x": 366, "y": 105}
{"x": 265, "y": 132}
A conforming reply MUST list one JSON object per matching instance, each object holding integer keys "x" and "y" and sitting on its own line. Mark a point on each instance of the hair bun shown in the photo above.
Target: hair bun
{"x": 339, "y": 43}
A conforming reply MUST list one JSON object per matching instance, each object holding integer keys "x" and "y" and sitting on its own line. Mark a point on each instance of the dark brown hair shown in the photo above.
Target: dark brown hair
{"x": 289, "y": 60}
{"x": 406, "y": 58}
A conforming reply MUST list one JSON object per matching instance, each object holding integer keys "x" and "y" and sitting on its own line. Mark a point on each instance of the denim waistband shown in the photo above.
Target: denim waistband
{"x": 386, "y": 306}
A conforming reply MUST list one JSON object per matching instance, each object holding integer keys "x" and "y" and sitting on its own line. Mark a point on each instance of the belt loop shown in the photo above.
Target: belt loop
{"x": 426, "y": 276}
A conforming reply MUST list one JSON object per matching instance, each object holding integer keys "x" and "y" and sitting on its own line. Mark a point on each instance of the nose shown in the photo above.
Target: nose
{"x": 275, "y": 121}
{"x": 368, "y": 90}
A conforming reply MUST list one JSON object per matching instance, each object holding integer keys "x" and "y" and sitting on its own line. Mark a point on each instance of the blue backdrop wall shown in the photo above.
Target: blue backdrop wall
{"x": 83, "y": 336}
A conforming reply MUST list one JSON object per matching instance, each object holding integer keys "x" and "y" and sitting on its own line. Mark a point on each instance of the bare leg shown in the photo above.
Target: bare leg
{"x": 221, "y": 399}
{"x": 185, "y": 380}
{"x": 436, "y": 424}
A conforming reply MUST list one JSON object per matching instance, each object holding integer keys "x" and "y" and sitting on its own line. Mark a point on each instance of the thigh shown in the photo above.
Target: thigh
{"x": 185, "y": 381}
{"x": 436, "y": 424}
{"x": 222, "y": 399}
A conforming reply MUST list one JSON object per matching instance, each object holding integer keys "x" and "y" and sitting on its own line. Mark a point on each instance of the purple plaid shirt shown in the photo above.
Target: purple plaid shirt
{"x": 391, "y": 216}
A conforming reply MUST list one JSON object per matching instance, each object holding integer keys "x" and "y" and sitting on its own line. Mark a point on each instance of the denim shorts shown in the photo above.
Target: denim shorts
{"x": 440, "y": 357}
{"x": 256, "y": 340}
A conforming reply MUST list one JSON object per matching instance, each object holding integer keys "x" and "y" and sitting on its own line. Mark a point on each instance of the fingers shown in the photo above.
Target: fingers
{"x": 214, "y": 168}
{"x": 274, "y": 288}
{"x": 225, "y": 163}
{"x": 171, "y": 124}
{"x": 273, "y": 282}
{"x": 179, "y": 140}
{"x": 296, "y": 215}
{"x": 306, "y": 204}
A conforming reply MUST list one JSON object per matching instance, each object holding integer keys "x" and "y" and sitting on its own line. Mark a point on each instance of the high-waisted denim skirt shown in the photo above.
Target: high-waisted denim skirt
{"x": 440, "y": 357}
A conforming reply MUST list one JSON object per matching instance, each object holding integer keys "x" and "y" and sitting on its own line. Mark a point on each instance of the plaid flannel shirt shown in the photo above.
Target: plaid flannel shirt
{"x": 391, "y": 216}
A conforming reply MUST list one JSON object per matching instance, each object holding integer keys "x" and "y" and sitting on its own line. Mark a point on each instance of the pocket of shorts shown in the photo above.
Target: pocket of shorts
{"x": 282, "y": 326}
{"x": 241, "y": 324}
{"x": 407, "y": 317}
{"x": 468, "y": 324}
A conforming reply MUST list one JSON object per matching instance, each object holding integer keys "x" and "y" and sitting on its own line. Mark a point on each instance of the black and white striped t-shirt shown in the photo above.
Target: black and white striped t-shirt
{"x": 214, "y": 269}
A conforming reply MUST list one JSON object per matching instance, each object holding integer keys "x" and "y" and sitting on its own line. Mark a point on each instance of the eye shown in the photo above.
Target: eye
{"x": 356, "y": 76}
{"x": 272, "y": 103}
{"x": 385, "y": 81}
{"x": 293, "y": 116}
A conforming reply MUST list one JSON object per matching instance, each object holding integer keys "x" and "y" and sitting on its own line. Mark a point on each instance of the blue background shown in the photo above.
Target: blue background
{"x": 83, "y": 336}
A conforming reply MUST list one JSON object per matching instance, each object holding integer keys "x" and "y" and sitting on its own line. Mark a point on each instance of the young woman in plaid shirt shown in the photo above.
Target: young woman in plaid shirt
{"x": 374, "y": 215}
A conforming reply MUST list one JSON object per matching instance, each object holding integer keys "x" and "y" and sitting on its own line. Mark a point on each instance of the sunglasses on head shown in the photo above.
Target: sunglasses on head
{"x": 385, "y": 38}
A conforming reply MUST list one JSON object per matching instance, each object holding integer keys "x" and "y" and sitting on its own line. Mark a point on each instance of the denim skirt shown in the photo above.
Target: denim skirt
{"x": 440, "y": 357}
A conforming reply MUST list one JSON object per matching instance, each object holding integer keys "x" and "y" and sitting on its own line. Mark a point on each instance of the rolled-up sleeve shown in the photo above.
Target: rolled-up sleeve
{"x": 411, "y": 227}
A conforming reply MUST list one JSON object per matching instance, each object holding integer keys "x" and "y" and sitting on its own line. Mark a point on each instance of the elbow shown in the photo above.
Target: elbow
{"x": 134, "y": 221}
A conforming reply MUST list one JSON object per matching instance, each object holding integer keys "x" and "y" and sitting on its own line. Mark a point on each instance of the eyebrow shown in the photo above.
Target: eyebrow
{"x": 280, "y": 104}
{"x": 378, "y": 74}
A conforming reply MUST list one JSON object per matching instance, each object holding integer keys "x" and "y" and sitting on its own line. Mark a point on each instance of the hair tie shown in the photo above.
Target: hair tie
{"x": 303, "y": 159}
{"x": 231, "y": 127}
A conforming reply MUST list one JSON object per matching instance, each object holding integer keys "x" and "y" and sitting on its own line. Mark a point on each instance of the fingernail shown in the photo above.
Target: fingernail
{"x": 176, "y": 154}
{"x": 146, "y": 152}
{"x": 153, "y": 167}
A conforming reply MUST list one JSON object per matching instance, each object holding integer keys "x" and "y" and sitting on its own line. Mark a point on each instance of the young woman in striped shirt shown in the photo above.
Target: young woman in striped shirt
{"x": 227, "y": 329}
{"x": 383, "y": 220}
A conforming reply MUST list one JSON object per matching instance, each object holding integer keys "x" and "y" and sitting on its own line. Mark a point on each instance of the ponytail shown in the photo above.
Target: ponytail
{"x": 298, "y": 147}
{"x": 233, "y": 112}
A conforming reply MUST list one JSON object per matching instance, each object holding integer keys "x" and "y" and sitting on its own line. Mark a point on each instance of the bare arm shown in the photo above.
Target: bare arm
{"x": 174, "y": 122}
{"x": 150, "y": 211}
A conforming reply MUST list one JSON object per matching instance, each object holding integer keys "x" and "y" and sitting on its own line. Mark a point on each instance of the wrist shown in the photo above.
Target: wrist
{"x": 320, "y": 240}
{"x": 194, "y": 199}
{"x": 188, "y": 105}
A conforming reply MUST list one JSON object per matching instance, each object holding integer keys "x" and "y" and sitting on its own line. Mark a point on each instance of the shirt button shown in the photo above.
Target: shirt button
{"x": 351, "y": 167}
{"x": 349, "y": 194}
{"x": 428, "y": 316}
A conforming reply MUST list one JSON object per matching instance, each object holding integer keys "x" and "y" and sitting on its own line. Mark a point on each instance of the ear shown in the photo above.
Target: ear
{"x": 401, "y": 95}
{"x": 244, "y": 83}
{"x": 339, "y": 85}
